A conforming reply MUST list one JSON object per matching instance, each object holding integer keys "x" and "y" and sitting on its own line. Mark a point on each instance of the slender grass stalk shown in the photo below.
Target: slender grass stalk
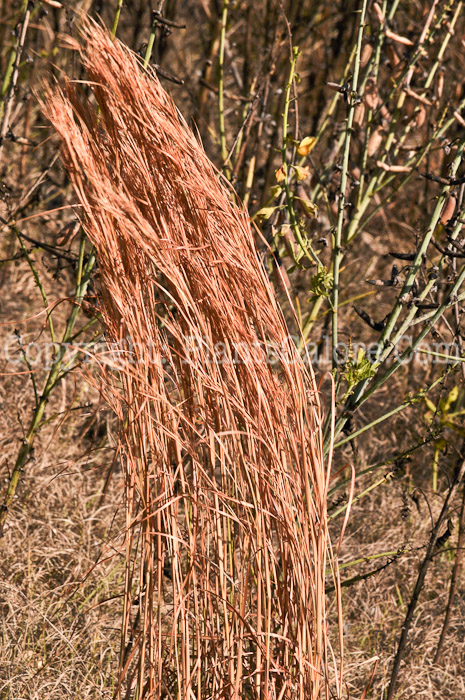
{"x": 394, "y": 460}
{"x": 7, "y": 80}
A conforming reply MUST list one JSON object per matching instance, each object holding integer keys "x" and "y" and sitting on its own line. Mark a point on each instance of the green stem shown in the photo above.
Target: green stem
{"x": 305, "y": 245}
{"x": 364, "y": 396}
{"x": 343, "y": 508}
{"x": 337, "y": 252}
{"x": 7, "y": 104}
{"x": 38, "y": 283}
{"x": 116, "y": 18}
{"x": 385, "y": 345}
{"x": 363, "y": 560}
{"x": 380, "y": 178}
{"x": 54, "y": 377}
{"x": 224, "y": 20}
{"x": 394, "y": 460}
{"x": 151, "y": 41}
{"x": 371, "y": 112}
{"x": 414, "y": 399}
{"x": 362, "y": 577}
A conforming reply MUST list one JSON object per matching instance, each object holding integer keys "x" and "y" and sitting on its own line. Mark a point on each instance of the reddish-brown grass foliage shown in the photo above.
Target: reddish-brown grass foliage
{"x": 226, "y": 485}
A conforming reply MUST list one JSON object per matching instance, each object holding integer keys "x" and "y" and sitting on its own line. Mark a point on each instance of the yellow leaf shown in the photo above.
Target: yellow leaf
{"x": 280, "y": 173}
{"x": 306, "y": 146}
{"x": 430, "y": 404}
{"x": 302, "y": 173}
{"x": 446, "y": 403}
{"x": 266, "y": 212}
{"x": 308, "y": 207}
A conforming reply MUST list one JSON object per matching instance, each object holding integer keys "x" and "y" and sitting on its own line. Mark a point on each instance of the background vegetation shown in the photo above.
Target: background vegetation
{"x": 341, "y": 128}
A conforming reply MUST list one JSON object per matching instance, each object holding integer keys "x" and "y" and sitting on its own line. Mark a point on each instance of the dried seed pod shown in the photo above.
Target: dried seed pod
{"x": 394, "y": 59}
{"x": 280, "y": 173}
{"x": 410, "y": 107}
{"x": 304, "y": 203}
{"x": 459, "y": 118}
{"x": 367, "y": 52}
{"x": 440, "y": 84}
{"x": 393, "y": 168}
{"x": 379, "y": 283}
{"x": 421, "y": 117}
{"x": 379, "y": 13}
{"x": 448, "y": 209}
{"x": 375, "y": 140}
{"x": 385, "y": 114}
{"x": 306, "y": 146}
{"x": 359, "y": 114}
{"x": 419, "y": 98}
{"x": 301, "y": 172}
{"x": 399, "y": 39}
{"x": 371, "y": 94}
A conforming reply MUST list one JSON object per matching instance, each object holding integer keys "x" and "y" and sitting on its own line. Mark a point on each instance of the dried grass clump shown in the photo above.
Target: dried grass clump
{"x": 226, "y": 486}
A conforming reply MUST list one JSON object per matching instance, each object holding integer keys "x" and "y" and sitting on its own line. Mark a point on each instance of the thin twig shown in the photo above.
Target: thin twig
{"x": 456, "y": 481}
{"x": 5, "y": 123}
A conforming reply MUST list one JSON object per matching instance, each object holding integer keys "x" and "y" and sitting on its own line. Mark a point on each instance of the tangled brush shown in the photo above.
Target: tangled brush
{"x": 226, "y": 485}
